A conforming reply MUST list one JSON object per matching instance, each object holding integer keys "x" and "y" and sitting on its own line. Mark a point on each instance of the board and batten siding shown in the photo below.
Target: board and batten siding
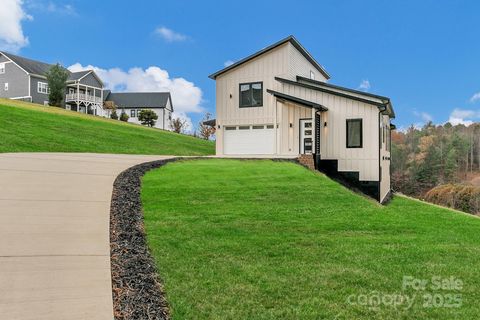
{"x": 263, "y": 68}
{"x": 300, "y": 66}
{"x": 384, "y": 158}
{"x": 333, "y": 136}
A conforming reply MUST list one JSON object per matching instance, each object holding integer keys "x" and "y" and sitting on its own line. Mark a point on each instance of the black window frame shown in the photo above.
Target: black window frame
{"x": 361, "y": 133}
{"x": 133, "y": 113}
{"x": 251, "y": 90}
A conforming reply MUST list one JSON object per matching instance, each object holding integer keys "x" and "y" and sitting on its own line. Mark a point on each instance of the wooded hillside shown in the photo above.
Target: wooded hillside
{"x": 437, "y": 155}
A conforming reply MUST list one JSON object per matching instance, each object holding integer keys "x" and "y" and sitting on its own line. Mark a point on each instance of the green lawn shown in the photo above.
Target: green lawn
{"x": 271, "y": 240}
{"x": 26, "y": 127}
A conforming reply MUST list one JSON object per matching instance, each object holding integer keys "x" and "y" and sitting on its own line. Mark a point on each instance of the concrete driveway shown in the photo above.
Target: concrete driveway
{"x": 54, "y": 234}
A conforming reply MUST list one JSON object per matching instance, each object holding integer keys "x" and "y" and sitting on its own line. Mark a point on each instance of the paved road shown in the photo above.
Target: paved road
{"x": 54, "y": 234}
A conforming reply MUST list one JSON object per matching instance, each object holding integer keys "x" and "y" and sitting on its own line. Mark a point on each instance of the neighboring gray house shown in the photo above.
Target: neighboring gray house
{"x": 133, "y": 102}
{"x": 25, "y": 79}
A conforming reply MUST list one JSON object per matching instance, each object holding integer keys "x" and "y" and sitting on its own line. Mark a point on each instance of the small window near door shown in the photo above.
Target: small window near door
{"x": 354, "y": 133}
{"x": 251, "y": 94}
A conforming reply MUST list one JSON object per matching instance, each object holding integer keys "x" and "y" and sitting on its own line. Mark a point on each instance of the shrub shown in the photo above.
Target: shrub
{"x": 124, "y": 117}
{"x": 457, "y": 196}
{"x": 114, "y": 115}
{"x": 147, "y": 117}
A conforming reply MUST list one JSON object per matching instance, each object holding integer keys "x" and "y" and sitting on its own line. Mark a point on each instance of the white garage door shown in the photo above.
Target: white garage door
{"x": 253, "y": 139}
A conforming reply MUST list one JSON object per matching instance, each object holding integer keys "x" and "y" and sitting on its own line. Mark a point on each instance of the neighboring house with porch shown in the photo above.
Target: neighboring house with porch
{"x": 276, "y": 102}
{"x": 25, "y": 79}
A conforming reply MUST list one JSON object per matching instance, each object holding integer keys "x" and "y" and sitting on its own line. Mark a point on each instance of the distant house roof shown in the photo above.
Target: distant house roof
{"x": 29, "y": 65}
{"x": 78, "y": 75}
{"x": 106, "y": 94}
{"x": 290, "y": 39}
{"x": 140, "y": 100}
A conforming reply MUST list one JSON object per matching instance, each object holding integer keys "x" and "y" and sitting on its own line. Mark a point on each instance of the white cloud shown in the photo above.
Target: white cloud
{"x": 228, "y": 63}
{"x": 66, "y": 9}
{"x": 475, "y": 97}
{"x": 186, "y": 97}
{"x": 462, "y": 116}
{"x": 364, "y": 85}
{"x": 11, "y": 32}
{"x": 426, "y": 117}
{"x": 51, "y": 7}
{"x": 170, "y": 35}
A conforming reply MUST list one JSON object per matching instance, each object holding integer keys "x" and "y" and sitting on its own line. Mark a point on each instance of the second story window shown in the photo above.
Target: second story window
{"x": 251, "y": 94}
{"x": 2, "y": 67}
{"x": 42, "y": 87}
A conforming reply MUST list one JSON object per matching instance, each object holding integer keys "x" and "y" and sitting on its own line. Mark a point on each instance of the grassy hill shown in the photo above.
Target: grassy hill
{"x": 26, "y": 127}
{"x": 272, "y": 240}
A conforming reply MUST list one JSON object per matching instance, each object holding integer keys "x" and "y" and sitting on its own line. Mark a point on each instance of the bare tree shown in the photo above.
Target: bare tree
{"x": 206, "y": 127}
{"x": 178, "y": 125}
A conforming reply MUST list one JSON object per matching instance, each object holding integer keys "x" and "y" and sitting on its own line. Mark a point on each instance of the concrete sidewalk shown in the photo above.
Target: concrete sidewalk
{"x": 54, "y": 234}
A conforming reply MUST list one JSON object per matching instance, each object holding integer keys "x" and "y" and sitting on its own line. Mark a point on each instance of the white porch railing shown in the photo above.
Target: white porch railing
{"x": 82, "y": 97}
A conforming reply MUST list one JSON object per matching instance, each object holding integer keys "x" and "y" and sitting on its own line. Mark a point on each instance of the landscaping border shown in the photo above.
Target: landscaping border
{"x": 137, "y": 290}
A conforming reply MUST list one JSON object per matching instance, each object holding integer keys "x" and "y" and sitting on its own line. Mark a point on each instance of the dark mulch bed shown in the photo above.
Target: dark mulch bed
{"x": 137, "y": 290}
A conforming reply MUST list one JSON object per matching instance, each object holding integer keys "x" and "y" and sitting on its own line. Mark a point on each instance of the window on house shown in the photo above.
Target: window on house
{"x": 71, "y": 90}
{"x": 312, "y": 75}
{"x": 6, "y": 86}
{"x": 251, "y": 94}
{"x": 132, "y": 113}
{"x": 42, "y": 87}
{"x": 2, "y": 67}
{"x": 354, "y": 133}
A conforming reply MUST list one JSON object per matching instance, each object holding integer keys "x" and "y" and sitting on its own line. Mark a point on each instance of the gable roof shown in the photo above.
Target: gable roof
{"x": 29, "y": 65}
{"x": 140, "y": 100}
{"x": 290, "y": 39}
{"x": 78, "y": 75}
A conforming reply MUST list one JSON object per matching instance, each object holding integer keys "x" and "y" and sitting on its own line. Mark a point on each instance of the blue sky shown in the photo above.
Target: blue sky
{"x": 424, "y": 55}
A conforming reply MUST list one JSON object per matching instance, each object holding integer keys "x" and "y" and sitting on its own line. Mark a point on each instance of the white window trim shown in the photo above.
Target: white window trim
{"x": 6, "y": 86}
{"x": 44, "y": 85}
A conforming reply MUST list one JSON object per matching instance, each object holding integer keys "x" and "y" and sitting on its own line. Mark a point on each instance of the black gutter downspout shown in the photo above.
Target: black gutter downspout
{"x": 317, "y": 141}
{"x": 381, "y": 110}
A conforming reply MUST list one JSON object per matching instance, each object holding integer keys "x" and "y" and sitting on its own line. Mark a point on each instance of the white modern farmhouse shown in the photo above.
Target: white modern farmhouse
{"x": 277, "y": 102}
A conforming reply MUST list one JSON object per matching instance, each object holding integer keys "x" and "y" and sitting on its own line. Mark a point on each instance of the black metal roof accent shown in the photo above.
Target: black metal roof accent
{"x": 329, "y": 85}
{"x": 290, "y": 39}
{"x": 293, "y": 99}
{"x": 211, "y": 122}
{"x": 384, "y": 104}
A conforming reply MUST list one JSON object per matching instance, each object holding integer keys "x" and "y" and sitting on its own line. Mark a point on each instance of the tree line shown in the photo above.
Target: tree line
{"x": 435, "y": 155}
